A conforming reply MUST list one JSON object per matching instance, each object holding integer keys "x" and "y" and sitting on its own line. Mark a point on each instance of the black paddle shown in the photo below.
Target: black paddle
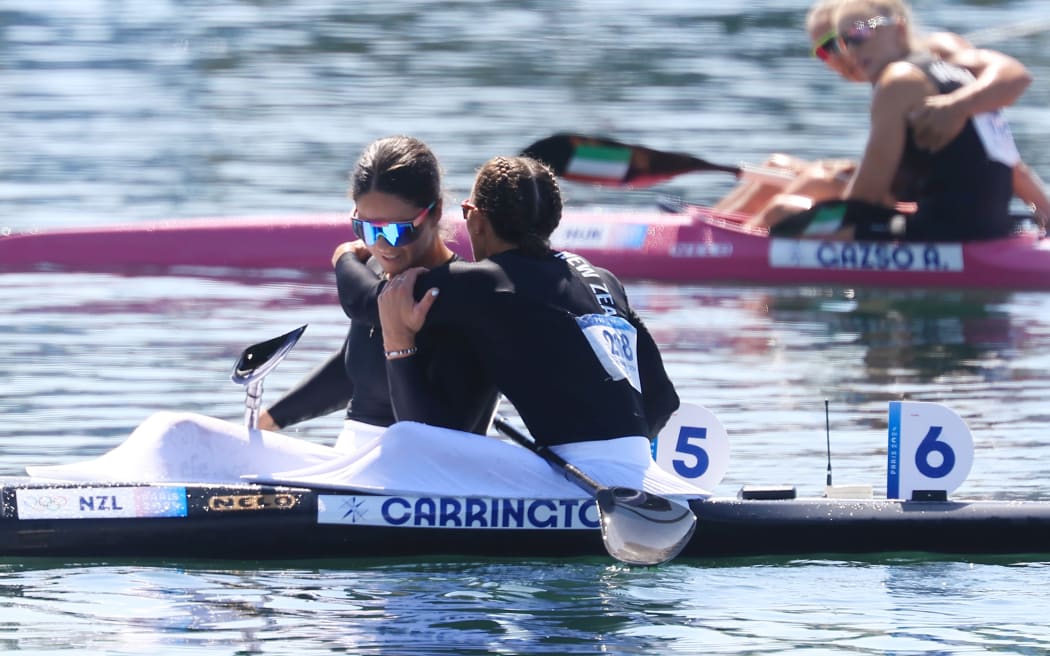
{"x": 598, "y": 160}
{"x": 638, "y": 528}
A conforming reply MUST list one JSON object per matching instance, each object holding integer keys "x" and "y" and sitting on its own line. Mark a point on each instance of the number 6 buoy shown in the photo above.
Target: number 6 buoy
{"x": 930, "y": 448}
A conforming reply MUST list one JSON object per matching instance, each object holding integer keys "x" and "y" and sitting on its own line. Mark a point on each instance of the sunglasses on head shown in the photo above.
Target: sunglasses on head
{"x": 467, "y": 208}
{"x": 396, "y": 233}
{"x": 863, "y": 30}
{"x": 826, "y": 46}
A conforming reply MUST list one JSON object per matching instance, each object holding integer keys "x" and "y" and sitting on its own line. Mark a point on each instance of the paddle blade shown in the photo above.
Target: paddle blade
{"x": 259, "y": 359}
{"x": 601, "y": 161}
{"x": 643, "y": 529}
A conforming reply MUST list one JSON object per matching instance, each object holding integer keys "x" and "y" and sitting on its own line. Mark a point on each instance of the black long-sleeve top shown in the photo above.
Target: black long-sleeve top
{"x": 516, "y": 317}
{"x": 356, "y": 378}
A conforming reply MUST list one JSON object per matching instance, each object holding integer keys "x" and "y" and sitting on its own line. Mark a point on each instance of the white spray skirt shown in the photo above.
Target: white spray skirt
{"x": 407, "y": 458}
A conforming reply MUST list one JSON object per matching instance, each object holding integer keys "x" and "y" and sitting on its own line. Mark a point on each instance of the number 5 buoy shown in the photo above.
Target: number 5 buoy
{"x": 693, "y": 446}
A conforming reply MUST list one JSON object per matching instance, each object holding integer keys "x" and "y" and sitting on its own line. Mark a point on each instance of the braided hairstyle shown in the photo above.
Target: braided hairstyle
{"x": 522, "y": 200}
{"x": 400, "y": 166}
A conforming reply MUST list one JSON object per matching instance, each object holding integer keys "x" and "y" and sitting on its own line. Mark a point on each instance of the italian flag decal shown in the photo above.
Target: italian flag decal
{"x": 827, "y": 221}
{"x": 599, "y": 163}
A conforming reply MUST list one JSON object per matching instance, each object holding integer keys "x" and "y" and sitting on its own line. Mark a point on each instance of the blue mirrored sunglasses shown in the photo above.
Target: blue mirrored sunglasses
{"x": 396, "y": 233}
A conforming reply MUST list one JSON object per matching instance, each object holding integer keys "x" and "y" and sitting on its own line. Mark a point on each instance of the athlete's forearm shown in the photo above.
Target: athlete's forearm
{"x": 323, "y": 391}
{"x": 659, "y": 397}
{"x": 410, "y": 396}
{"x": 1030, "y": 189}
{"x": 1000, "y": 81}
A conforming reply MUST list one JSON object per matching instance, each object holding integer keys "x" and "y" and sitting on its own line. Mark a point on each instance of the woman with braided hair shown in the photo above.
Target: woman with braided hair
{"x": 555, "y": 334}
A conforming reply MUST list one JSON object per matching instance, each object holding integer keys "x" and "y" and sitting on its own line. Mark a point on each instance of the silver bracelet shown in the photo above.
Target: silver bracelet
{"x": 400, "y": 353}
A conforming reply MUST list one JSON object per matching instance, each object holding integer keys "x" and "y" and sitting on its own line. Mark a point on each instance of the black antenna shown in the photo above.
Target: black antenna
{"x": 827, "y": 431}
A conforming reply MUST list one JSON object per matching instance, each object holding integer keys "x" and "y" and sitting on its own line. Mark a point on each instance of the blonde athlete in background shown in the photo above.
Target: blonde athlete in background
{"x": 999, "y": 81}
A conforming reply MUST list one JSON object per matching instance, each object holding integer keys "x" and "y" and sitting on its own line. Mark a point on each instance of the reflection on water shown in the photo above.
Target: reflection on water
{"x": 444, "y": 607}
{"x": 903, "y": 338}
{"x": 912, "y": 335}
{"x": 461, "y": 607}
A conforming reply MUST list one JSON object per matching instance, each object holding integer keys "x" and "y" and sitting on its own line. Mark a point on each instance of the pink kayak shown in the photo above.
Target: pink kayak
{"x": 694, "y": 245}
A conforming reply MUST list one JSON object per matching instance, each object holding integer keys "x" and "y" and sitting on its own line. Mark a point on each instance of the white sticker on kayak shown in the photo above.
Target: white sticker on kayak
{"x": 583, "y": 236}
{"x": 694, "y": 446}
{"x": 930, "y": 448}
{"x": 100, "y": 502}
{"x": 457, "y": 512}
{"x": 615, "y": 341}
{"x": 865, "y": 255}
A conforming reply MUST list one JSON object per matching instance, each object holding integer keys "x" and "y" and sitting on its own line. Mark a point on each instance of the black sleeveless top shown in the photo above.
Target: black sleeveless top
{"x": 962, "y": 191}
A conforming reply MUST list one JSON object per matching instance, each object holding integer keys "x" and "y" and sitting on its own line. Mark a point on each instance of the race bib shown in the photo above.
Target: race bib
{"x": 998, "y": 141}
{"x": 615, "y": 341}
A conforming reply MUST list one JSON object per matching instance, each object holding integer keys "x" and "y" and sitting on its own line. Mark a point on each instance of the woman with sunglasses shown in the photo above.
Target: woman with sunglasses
{"x": 962, "y": 191}
{"x": 999, "y": 81}
{"x": 396, "y": 188}
{"x": 553, "y": 333}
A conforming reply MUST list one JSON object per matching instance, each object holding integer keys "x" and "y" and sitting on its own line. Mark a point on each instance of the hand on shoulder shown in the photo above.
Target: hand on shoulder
{"x": 399, "y": 313}
{"x": 357, "y": 248}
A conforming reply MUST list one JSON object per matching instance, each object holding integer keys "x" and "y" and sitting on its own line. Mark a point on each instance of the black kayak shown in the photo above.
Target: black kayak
{"x": 289, "y": 523}
{"x": 239, "y": 521}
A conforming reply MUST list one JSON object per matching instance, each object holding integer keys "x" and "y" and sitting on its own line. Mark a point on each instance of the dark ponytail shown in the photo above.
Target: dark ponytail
{"x": 400, "y": 166}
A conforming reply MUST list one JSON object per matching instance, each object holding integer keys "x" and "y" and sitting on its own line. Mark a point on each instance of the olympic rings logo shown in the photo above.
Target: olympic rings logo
{"x": 47, "y": 503}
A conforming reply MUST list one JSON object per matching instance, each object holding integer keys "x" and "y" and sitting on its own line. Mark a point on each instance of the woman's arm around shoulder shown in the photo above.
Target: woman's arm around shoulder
{"x": 999, "y": 80}
{"x": 324, "y": 390}
{"x": 358, "y": 287}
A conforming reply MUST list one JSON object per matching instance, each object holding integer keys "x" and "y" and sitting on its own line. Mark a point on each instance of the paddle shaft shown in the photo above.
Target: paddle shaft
{"x": 572, "y": 472}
